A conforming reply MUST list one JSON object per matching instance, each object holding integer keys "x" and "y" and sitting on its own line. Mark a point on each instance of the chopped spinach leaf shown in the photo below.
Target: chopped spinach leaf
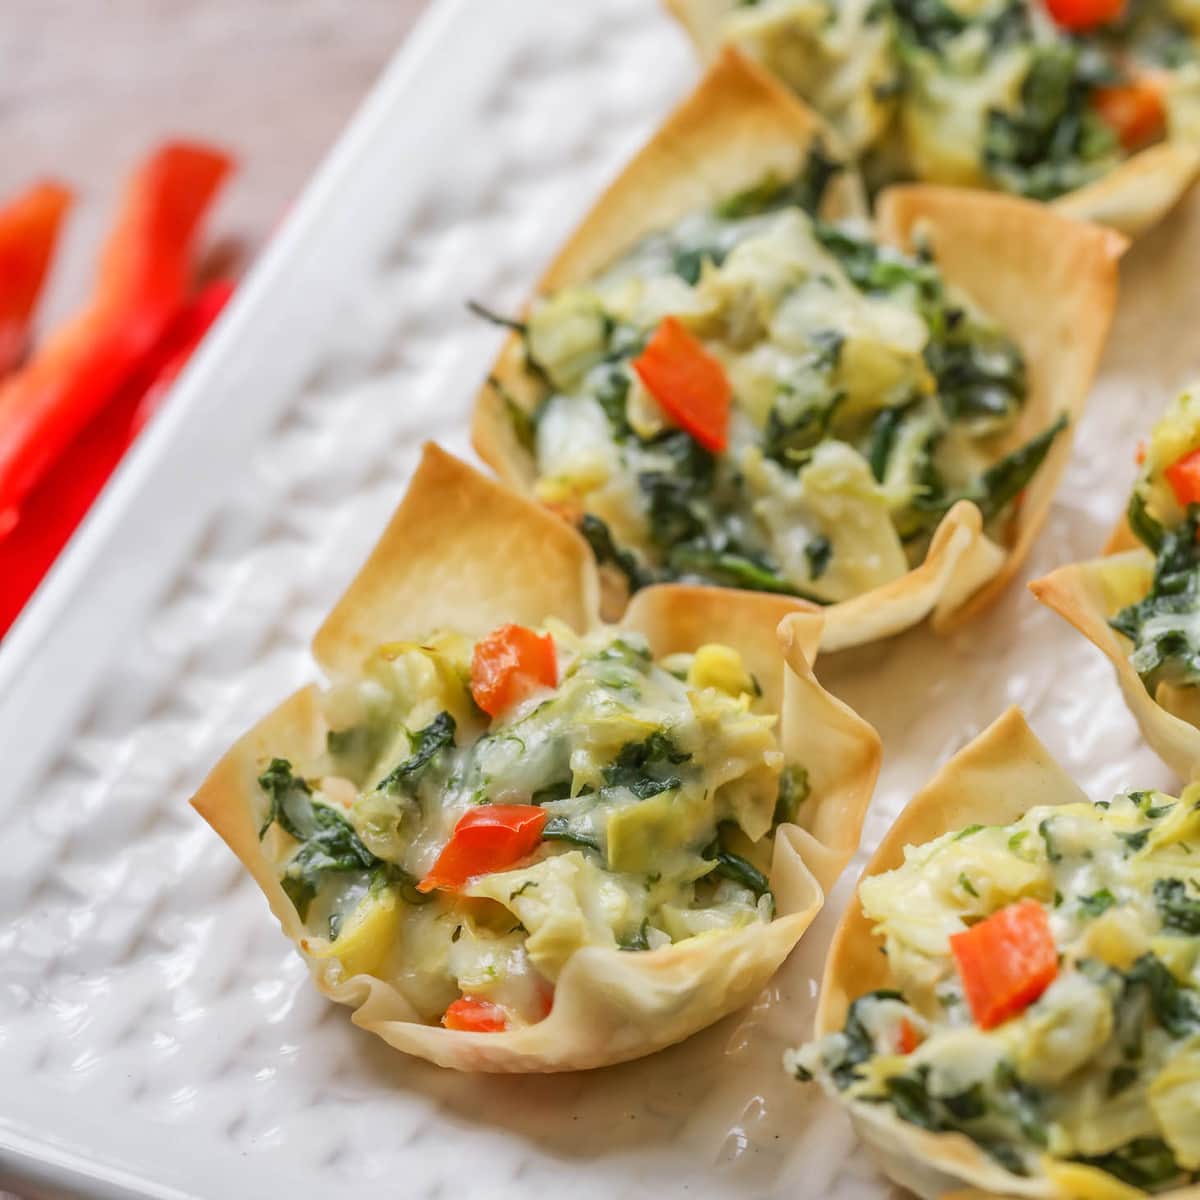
{"x": 1145, "y": 528}
{"x": 1145, "y": 1162}
{"x": 1176, "y": 1008}
{"x": 558, "y": 829}
{"x": 1098, "y": 903}
{"x": 1177, "y": 909}
{"x": 522, "y": 422}
{"x": 645, "y": 767}
{"x": 425, "y": 745}
{"x": 739, "y": 870}
{"x": 291, "y": 800}
{"x": 1119, "y": 1079}
{"x": 818, "y": 552}
{"x": 1054, "y": 142}
{"x": 734, "y": 570}
{"x": 806, "y": 191}
{"x": 1003, "y": 481}
{"x": 331, "y": 847}
{"x": 858, "y": 1046}
{"x": 1135, "y": 841}
{"x": 636, "y": 940}
{"x": 793, "y": 791}
{"x": 1162, "y": 625}
{"x": 1053, "y": 854}
{"x": 606, "y": 550}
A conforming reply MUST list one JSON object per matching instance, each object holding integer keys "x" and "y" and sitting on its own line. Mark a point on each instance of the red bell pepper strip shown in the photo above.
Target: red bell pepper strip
{"x": 688, "y": 382}
{"x": 1006, "y": 962}
{"x": 1136, "y": 111}
{"x": 1081, "y": 15}
{"x": 488, "y": 838}
{"x": 508, "y": 664}
{"x": 475, "y": 1016}
{"x": 50, "y": 513}
{"x": 145, "y": 273}
{"x": 1184, "y": 477}
{"x": 29, "y": 228}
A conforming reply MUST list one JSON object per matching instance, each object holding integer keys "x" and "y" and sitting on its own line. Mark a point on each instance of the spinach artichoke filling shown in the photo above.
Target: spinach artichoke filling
{"x": 866, "y": 396}
{"x": 1100, "y": 1064}
{"x": 1028, "y": 98}
{"x": 1164, "y": 514}
{"x": 627, "y": 804}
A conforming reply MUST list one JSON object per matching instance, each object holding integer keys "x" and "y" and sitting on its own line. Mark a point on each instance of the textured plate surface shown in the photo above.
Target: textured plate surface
{"x": 157, "y": 1035}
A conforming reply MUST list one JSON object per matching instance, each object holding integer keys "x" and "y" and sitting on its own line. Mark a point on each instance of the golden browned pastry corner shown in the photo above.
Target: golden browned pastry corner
{"x": 1140, "y": 603}
{"x": 1089, "y": 105}
{"x": 1031, "y": 1026}
{"x": 727, "y": 377}
{"x": 515, "y": 839}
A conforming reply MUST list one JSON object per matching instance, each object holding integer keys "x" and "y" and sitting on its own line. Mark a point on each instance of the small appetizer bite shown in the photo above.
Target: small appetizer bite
{"x": 725, "y": 380}
{"x": 1013, "y": 1003}
{"x": 1092, "y": 104}
{"x": 514, "y": 839}
{"x": 1141, "y": 604}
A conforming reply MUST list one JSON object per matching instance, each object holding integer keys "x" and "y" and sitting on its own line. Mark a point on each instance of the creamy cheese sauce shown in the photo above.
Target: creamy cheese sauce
{"x": 1104, "y": 1066}
{"x": 661, "y": 782}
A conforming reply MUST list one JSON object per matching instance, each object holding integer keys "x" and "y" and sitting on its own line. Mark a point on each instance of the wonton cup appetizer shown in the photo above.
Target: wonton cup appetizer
{"x": 1032, "y": 1027}
{"x": 514, "y": 839}
{"x": 721, "y": 387}
{"x": 1091, "y": 104}
{"x": 1141, "y": 604}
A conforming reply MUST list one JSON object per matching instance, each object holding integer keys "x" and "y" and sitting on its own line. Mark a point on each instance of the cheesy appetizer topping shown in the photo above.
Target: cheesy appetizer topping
{"x": 485, "y": 810}
{"x": 1047, "y": 998}
{"x": 761, "y": 399}
{"x": 1032, "y": 98}
{"x": 1164, "y": 513}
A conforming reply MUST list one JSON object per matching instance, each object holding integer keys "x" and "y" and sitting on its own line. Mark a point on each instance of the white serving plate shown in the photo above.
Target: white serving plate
{"x": 158, "y": 1037}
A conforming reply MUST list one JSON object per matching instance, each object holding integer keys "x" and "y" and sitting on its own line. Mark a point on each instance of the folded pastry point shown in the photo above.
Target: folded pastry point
{"x": 514, "y": 839}
{"x": 1005, "y": 1042}
{"x": 995, "y": 97}
{"x": 728, "y": 378}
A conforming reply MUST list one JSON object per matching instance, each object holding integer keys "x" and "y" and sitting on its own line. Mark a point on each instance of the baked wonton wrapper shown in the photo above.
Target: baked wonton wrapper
{"x": 464, "y": 553}
{"x": 1131, "y": 198}
{"x": 993, "y": 780}
{"x": 1089, "y": 594}
{"x": 1051, "y": 282}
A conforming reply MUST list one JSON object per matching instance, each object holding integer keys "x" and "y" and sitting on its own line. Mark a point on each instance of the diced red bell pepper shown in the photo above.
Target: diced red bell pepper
{"x": 688, "y": 382}
{"x": 475, "y": 1016}
{"x": 145, "y": 277}
{"x": 1139, "y": 455}
{"x": 1184, "y": 477}
{"x": 508, "y": 664}
{"x": 1081, "y": 15}
{"x": 50, "y": 513}
{"x": 491, "y": 837}
{"x": 1136, "y": 111}
{"x": 29, "y": 228}
{"x": 909, "y": 1039}
{"x": 1006, "y": 962}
